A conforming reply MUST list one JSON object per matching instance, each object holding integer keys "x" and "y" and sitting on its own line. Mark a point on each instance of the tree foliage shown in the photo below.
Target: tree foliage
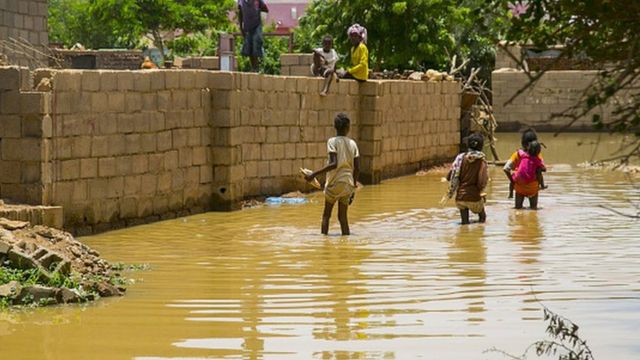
{"x": 71, "y": 22}
{"x": 156, "y": 17}
{"x": 602, "y": 31}
{"x": 122, "y": 23}
{"x": 411, "y": 34}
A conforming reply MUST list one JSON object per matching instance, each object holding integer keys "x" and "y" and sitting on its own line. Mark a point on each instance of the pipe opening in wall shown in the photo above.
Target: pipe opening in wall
{"x": 222, "y": 190}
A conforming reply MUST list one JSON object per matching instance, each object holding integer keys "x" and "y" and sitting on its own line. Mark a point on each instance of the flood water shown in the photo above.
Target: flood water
{"x": 410, "y": 283}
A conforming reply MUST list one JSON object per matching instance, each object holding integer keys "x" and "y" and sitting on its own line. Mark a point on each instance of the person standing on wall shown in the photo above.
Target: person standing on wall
{"x": 251, "y": 28}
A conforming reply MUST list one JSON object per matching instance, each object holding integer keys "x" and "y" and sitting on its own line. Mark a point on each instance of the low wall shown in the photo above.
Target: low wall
{"x": 117, "y": 148}
{"x": 296, "y": 64}
{"x": 108, "y": 59}
{"x": 554, "y": 92}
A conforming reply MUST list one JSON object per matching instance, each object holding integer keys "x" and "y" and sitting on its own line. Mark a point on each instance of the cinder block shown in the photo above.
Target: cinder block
{"x": 69, "y": 169}
{"x": 88, "y": 168}
{"x": 222, "y": 80}
{"x": 142, "y": 81}
{"x": 187, "y": 79}
{"x": 289, "y": 59}
{"x": 157, "y": 79}
{"x": 10, "y": 78}
{"x": 133, "y": 102}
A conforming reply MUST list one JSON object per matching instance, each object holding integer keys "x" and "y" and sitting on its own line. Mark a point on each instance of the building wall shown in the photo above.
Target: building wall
{"x": 117, "y": 148}
{"x": 552, "y": 94}
{"x": 24, "y": 21}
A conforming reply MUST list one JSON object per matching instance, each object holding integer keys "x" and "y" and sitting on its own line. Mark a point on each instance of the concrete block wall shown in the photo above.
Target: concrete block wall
{"x": 130, "y": 146}
{"x": 296, "y": 64}
{"x": 553, "y": 93}
{"x": 25, "y": 21}
{"x": 267, "y": 127}
{"x": 407, "y": 126}
{"x": 117, "y": 148}
{"x": 25, "y": 133}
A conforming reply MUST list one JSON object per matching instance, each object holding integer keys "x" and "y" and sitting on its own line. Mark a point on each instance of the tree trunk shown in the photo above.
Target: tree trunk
{"x": 159, "y": 43}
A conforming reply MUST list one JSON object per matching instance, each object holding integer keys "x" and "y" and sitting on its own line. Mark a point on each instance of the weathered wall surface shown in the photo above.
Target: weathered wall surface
{"x": 296, "y": 64}
{"x": 552, "y": 94}
{"x": 130, "y": 145}
{"x": 116, "y": 148}
{"x": 25, "y": 133}
{"x": 24, "y": 21}
{"x": 108, "y": 59}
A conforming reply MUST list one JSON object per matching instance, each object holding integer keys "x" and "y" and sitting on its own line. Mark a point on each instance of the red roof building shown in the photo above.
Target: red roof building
{"x": 285, "y": 13}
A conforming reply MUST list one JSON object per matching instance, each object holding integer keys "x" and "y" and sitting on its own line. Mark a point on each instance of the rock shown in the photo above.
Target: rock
{"x": 74, "y": 250}
{"x": 105, "y": 289}
{"x": 4, "y": 248}
{"x": 94, "y": 252}
{"x": 13, "y": 224}
{"x": 68, "y": 296}
{"x": 44, "y": 85}
{"x": 416, "y": 76}
{"x": 7, "y": 235}
{"x": 21, "y": 260}
{"x": 35, "y": 293}
{"x": 10, "y": 289}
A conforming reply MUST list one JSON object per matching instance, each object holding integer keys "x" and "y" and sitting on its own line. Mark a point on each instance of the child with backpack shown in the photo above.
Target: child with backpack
{"x": 527, "y": 178}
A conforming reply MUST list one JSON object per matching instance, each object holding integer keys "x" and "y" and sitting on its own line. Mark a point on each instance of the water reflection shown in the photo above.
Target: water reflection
{"x": 525, "y": 231}
{"x": 467, "y": 256}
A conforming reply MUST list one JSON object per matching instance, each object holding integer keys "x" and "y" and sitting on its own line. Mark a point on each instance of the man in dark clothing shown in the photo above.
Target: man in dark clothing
{"x": 251, "y": 28}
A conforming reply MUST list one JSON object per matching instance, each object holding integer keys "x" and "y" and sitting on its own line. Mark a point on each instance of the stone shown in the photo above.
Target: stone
{"x": 21, "y": 260}
{"x": 107, "y": 290}
{"x": 35, "y": 293}
{"x": 4, "y": 248}
{"x": 68, "y": 296}
{"x": 10, "y": 289}
{"x": 13, "y": 224}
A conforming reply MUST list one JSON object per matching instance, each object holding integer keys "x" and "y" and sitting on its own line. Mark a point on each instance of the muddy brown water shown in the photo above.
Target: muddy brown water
{"x": 410, "y": 283}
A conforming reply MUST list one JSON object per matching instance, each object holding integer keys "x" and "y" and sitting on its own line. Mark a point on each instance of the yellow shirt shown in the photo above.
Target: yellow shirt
{"x": 359, "y": 62}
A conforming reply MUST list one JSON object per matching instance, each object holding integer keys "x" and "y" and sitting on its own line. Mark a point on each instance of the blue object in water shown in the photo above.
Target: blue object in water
{"x": 281, "y": 200}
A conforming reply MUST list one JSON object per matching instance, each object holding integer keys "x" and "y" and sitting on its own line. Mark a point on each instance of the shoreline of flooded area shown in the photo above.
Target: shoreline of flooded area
{"x": 262, "y": 283}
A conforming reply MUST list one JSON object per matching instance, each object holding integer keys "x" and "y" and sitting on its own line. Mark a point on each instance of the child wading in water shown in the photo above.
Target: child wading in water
{"x": 524, "y": 170}
{"x": 342, "y": 173}
{"x": 468, "y": 178}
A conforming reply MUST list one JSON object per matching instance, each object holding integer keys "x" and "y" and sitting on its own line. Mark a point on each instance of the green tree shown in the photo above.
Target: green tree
{"x": 411, "y": 34}
{"x": 71, "y": 22}
{"x": 155, "y": 18}
{"x": 605, "y": 33}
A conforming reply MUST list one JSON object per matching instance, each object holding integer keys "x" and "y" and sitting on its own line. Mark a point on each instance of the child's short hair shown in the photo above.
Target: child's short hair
{"x": 528, "y": 135}
{"x": 341, "y": 121}
{"x": 327, "y": 38}
{"x": 475, "y": 142}
{"x": 534, "y": 148}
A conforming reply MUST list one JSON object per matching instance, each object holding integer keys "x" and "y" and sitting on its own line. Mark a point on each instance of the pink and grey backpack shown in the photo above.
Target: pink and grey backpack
{"x": 526, "y": 171}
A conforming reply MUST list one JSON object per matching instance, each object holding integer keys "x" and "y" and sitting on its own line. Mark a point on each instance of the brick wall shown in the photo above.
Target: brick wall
{"x": 553, "y": 93}
{"x": 117, "y": 148}
{"x": 111, "y": 59}
{"x": 25, "y": 132}
{"x": 130, "y": 145}
{"x": 296, "y": 64}
{"x": 24, "y": 21}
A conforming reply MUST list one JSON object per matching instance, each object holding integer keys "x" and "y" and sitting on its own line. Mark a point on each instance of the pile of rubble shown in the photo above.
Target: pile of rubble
{"x": 429, "y": 75}
{"x": 60, "y": 268}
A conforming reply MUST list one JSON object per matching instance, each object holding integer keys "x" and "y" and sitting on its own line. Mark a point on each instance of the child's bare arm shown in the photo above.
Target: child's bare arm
{"x": 333, "y": 163}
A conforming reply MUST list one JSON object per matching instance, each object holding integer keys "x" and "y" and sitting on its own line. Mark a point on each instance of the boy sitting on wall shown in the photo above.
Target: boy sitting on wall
{"x": 324, "y": 63}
